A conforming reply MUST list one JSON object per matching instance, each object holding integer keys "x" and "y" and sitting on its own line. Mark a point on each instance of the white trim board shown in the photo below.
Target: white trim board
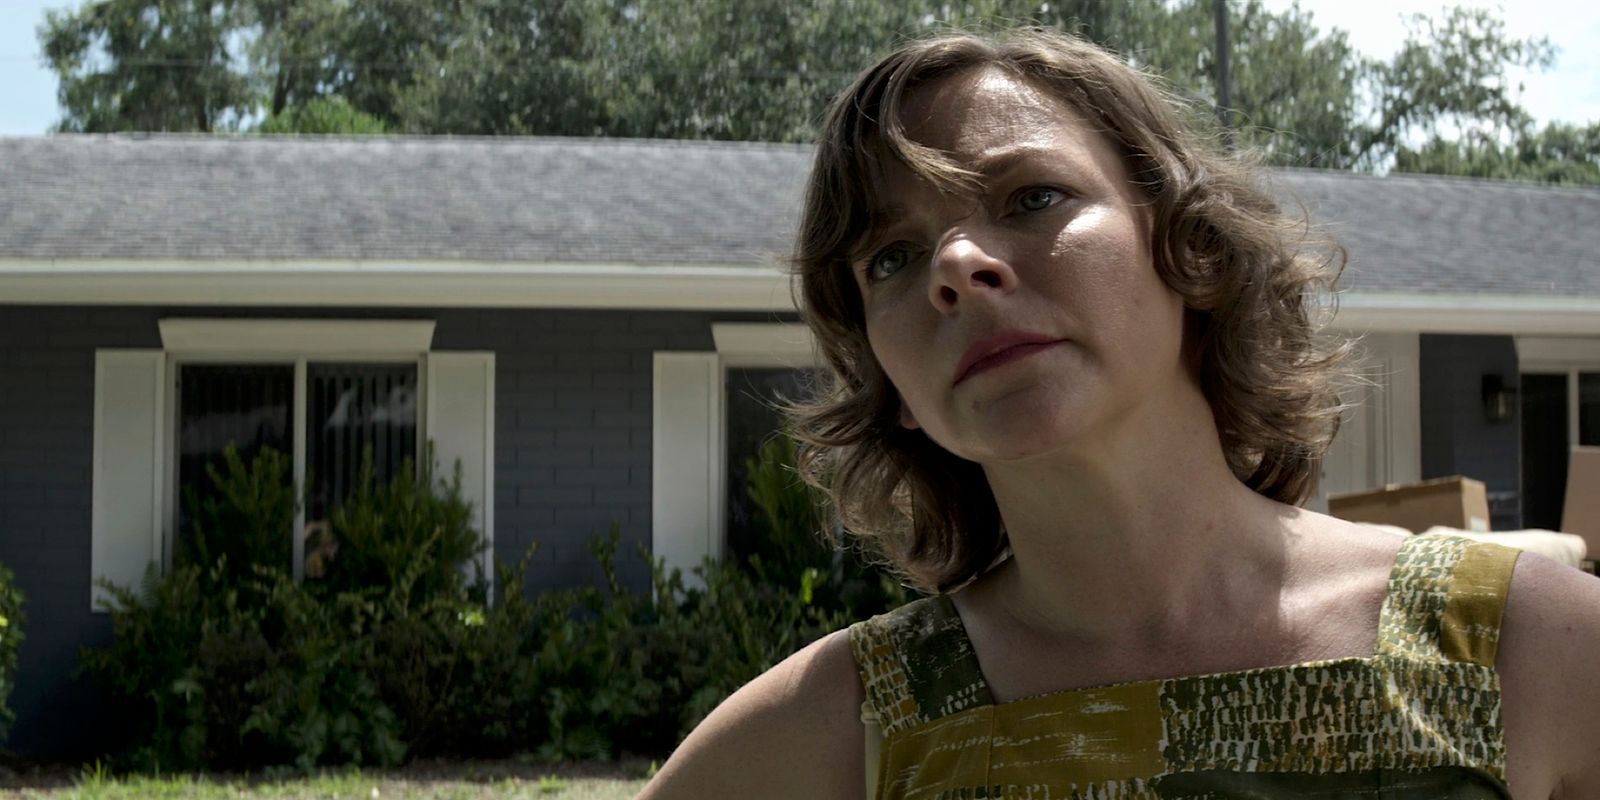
{"x": 1455, "y": 313}
{"x": 390, "y": 284}
{"x": 764, "y": 344}
{"x": 459, "y": 415}
{"x": 304, "y": 337}
{"x": 1561, "y": 353}
{"x": 686, "y": 460}
{"x": 129, "y": 457}
{"x": 709, "y": 287}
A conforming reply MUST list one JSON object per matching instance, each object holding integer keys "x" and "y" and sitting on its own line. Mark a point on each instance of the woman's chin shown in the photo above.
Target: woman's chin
{"x": 1023, "y": 438}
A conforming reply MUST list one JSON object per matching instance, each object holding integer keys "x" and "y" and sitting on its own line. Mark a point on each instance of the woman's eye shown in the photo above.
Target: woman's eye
{"x": 888, "y": 261}
{"x": 1039, "y": 198}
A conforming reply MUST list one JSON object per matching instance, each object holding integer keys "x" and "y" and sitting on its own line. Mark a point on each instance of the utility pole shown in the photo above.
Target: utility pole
{"x": 1219, "y": 12}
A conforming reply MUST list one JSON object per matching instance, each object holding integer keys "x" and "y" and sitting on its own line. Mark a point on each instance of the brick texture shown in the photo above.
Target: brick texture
{"x": 1456, "y": 439}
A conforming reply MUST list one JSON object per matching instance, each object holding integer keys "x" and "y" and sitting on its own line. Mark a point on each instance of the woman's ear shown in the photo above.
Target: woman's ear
{"x": 907, "y": 419}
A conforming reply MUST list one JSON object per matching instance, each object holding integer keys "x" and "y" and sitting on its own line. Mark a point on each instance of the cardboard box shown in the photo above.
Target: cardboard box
{"x": 1456, "y": 502}
{"x": 1581, "y": 515}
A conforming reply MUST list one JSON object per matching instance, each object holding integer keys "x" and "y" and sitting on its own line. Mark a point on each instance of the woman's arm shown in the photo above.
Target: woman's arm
{"x": 1549, "y": 664}
{"x": 793, "y": 732}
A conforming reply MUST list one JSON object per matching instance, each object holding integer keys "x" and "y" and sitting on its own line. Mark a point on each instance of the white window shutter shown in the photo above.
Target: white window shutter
{"x": 686, "y": 459}
{"x": 126, "y": 520}
{"x": 460, "y": 409}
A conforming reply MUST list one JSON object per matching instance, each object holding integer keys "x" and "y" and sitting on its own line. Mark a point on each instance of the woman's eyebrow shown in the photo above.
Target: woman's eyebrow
{"x": 999, "y": 160}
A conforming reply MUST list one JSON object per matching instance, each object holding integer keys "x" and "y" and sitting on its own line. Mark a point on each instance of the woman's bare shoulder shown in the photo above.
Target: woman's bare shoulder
{"x": 1549, "y": 643}
{"x": 795, "y": 731}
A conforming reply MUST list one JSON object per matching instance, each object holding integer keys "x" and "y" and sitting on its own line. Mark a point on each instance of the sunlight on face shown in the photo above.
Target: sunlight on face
{"x": 1028, "y": 316}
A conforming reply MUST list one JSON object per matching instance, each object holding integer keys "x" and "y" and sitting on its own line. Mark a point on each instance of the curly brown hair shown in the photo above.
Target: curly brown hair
{"x": 1251, "y": 285}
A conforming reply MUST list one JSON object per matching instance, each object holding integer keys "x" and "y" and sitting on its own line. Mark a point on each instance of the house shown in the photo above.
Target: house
{"x": 587, "y": 327}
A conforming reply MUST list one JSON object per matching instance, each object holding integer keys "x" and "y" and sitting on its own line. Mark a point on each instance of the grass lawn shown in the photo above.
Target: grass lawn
{"x": 451, "y": 780}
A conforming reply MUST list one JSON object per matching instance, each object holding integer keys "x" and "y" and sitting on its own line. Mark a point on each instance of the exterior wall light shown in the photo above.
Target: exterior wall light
{"x": 1499, "y": 400}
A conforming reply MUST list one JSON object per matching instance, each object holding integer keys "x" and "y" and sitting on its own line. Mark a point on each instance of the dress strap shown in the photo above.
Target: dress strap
{"x": 1445, "y": 598}
{"x": 917, "y": 664}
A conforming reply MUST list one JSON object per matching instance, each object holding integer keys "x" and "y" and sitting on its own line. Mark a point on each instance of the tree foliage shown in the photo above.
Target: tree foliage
{"x": 148, "y": 65}
{"x": 322, "y": 115}
{"x": 739, "y": 69}
{"x": 1556, "y": 154}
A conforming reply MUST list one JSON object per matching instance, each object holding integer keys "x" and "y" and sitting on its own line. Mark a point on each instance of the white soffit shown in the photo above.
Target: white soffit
{"x": 636, "y": 286}
{"x": 1494, "y": 314}
{"x": 309, "y": 337}
{"x": 763, "y": 344}
{"x": 396, "y": 284}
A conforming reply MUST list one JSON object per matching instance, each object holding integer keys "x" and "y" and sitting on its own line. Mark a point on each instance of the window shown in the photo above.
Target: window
{"x": 752, "y": 419}
{"x": 693, "y": 415}
{"x": 349, "y": 407}
{"x": 320, "y": 391}
{"x": 1589, "y": 409}
{"x": 1560, "y": 399}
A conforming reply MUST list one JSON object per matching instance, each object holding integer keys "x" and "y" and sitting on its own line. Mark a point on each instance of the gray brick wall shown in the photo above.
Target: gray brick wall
{"x": 46, "y": 450}
{"x": 1456, "y": 439}
{"x": 572, "y": 433}
{"x": 572, "y": 428}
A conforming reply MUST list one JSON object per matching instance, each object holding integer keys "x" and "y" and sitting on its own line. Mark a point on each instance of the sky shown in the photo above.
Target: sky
{"x": 1568, "y": 92}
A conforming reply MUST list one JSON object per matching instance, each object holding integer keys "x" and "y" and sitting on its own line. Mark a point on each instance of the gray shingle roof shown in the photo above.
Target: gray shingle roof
{"x": 467, "y": 199}
{"x": 1430, "y": 234}
{"x": 658, "y": 203}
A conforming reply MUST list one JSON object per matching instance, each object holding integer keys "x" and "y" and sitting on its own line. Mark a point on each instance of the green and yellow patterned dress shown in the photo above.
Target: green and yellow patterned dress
{"x": 1419, "y": 719}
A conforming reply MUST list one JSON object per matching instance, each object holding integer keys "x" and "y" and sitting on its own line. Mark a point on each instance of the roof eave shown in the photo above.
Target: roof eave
{"x": 391, "y": 284}
{"x": 1509, "y": 314}
{"x": 753, "y": 287}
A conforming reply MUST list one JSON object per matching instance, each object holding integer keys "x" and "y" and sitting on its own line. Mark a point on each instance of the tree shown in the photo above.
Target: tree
{"x": 147, "y": 65}
{"x": 1296, "y": 90}
{"x": 322, "y": 115}
{"x": 508, "y": 67}
{"x": 1449, "y": 73}
{"x": 1557, "y": 154}
{"x": 288, "y": 55}
{"x": 740, "y": 69}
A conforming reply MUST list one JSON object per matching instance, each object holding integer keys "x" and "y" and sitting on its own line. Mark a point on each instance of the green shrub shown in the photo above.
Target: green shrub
{"x": 11, "y": 621}
{"x": 623, "y": 672}
{"x": 322, "y": 115}
{"x": 703, "y": 643}
{"x": 393, "y": 655}
{"x": 149, "y": 665}
{"x": 223, "y": 664}
{"x": 380, "y": 530}
{"x": 312, "y": 702}
{"x": 792, "y": 541}
{"x": 461, "y": 677}
{"x": 247, "y": 518}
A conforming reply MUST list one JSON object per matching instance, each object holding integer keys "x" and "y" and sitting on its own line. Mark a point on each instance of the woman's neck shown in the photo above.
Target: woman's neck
{"x": 1137, "y": 540}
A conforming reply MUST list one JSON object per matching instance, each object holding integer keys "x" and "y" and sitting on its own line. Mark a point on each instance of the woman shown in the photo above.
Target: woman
{"x": 1076, "y": 390}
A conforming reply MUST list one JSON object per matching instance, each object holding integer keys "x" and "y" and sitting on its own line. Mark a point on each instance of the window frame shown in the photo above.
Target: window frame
{"x": 283, "y": 342}
{"x": 688, "y": 518}
{"x": 298, "y": 424}
{"x": 1561, "y": 356}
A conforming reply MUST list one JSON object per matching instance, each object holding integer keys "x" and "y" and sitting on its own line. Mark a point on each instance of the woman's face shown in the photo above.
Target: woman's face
{"x": 1028, "y": 317}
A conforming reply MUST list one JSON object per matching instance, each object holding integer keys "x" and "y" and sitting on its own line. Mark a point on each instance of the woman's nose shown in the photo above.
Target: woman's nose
{"x": 963, "y": 267}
